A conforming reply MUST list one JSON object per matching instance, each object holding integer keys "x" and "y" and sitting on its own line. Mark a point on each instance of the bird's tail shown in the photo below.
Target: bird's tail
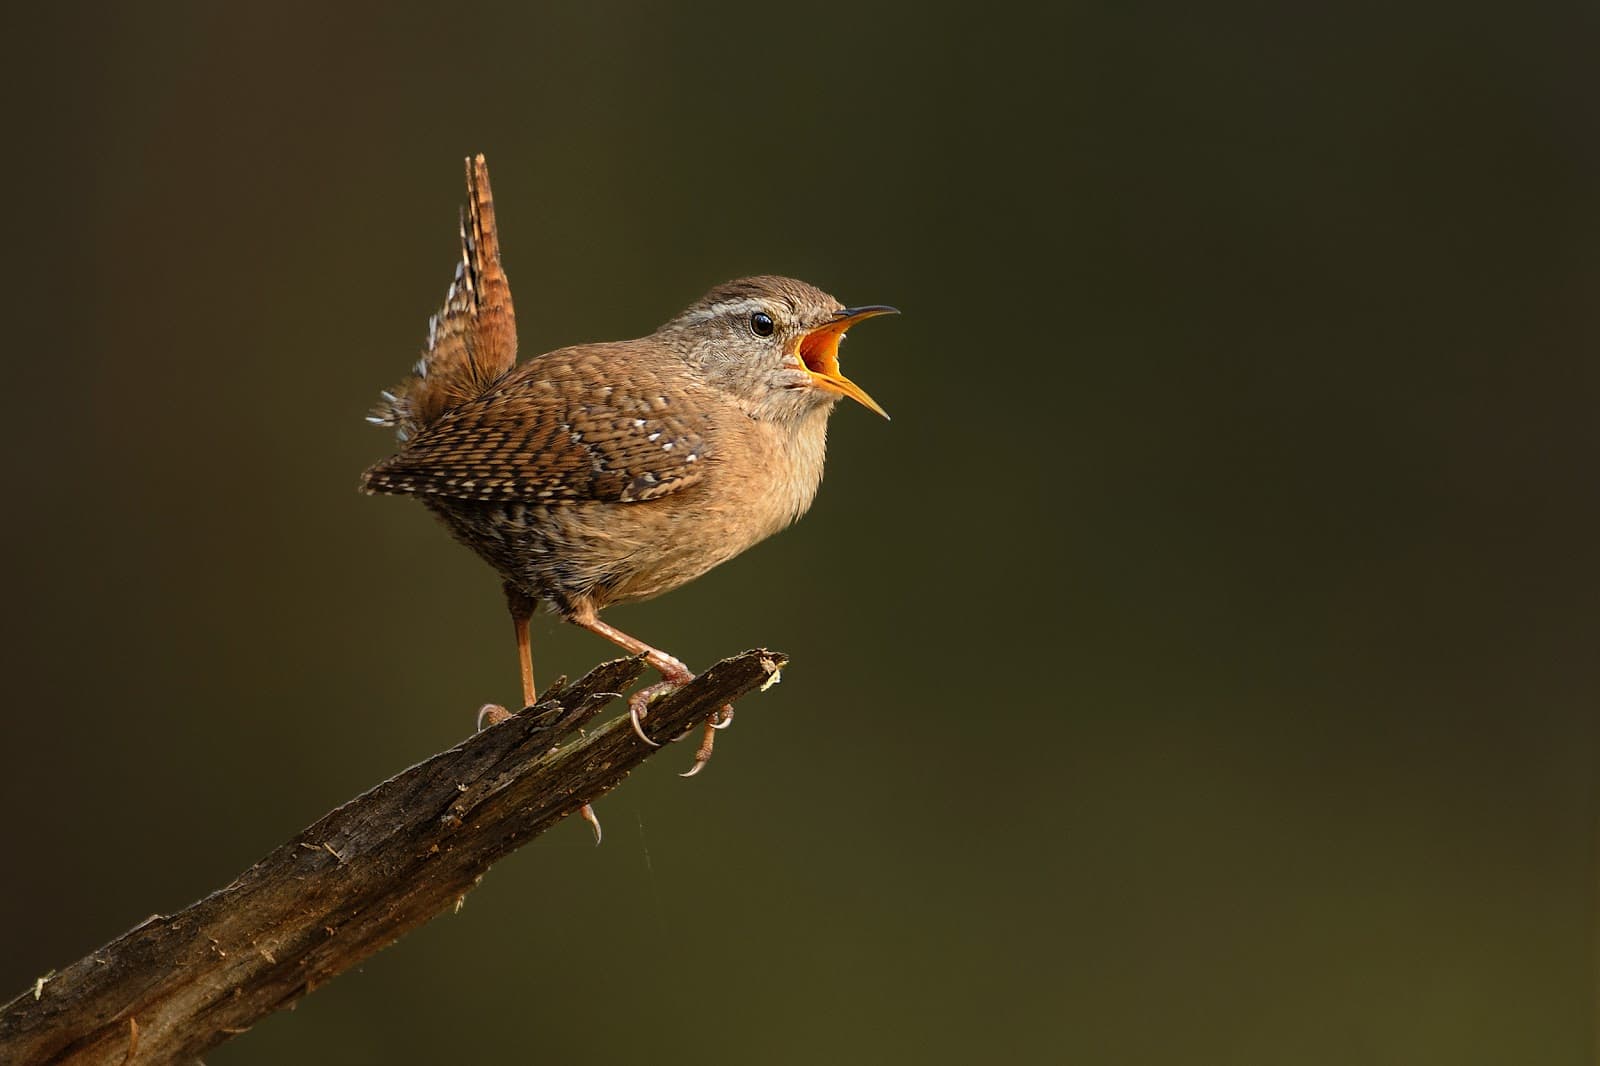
{"x": 472, "y": 341}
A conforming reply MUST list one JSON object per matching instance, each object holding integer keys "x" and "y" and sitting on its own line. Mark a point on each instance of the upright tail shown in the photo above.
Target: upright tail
{"x": 472, "y": 341}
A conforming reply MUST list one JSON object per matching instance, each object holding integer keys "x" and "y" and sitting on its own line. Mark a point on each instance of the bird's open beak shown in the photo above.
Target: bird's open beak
{"x": 819, "y": 350}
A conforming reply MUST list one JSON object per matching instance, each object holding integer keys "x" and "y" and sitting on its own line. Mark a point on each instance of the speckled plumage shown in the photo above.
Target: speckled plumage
{"x": 606, "y": 473}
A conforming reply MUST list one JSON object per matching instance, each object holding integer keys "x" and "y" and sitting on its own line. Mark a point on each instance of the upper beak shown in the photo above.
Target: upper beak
{"x": 819, "y": 351}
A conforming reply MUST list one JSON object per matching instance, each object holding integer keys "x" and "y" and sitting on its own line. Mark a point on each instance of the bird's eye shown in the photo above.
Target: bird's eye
{"x": 761, "y": 324}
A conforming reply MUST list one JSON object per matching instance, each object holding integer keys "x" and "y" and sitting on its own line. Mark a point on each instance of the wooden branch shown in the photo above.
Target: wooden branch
{"x": 355, "y": 881}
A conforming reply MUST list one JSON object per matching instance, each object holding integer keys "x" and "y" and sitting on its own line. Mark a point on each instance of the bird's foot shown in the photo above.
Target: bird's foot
{"x": 722, "y": 719}
{"x": 639, "y": 707}
{"x": 491, "y": 714}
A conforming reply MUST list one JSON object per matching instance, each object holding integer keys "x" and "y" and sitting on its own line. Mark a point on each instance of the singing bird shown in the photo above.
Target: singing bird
{"x": 613, "y": 472}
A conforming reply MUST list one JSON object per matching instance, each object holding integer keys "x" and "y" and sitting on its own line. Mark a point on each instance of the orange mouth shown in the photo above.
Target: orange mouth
{"x": 819, "y": 350}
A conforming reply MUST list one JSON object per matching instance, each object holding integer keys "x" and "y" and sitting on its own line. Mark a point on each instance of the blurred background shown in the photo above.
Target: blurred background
{"x": 1200, "y": 668}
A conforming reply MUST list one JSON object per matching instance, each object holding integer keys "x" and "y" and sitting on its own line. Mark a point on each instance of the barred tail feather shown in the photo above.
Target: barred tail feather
{"x": 472, "y": 341}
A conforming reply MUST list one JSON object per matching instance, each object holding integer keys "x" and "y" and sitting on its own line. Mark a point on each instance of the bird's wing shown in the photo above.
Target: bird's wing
{"x": 472, "y": 341}
{"x": 549, "y": 433}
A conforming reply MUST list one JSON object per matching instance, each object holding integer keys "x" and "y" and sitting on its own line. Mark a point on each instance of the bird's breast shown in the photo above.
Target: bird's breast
{"x": 772, "y": 471}
{"x": 758, "y": 479}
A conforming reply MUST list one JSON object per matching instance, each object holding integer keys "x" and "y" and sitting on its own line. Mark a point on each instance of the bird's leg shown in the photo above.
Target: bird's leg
{"x": 521, "y": 607}
{"x": 673, "y": 673}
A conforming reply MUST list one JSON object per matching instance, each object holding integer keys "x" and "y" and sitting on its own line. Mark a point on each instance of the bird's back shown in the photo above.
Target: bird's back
{"x": 570, "y": 485}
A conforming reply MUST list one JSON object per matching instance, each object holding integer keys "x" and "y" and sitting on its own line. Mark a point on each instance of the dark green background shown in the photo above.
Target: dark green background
{"x": 1200, "y": 668}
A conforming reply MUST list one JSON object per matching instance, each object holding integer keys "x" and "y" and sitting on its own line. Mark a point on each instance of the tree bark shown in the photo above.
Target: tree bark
{"x": 355, "y": 881}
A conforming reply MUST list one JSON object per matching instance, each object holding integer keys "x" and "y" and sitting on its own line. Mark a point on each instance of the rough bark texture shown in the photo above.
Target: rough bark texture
{"x": 355, "y": 881}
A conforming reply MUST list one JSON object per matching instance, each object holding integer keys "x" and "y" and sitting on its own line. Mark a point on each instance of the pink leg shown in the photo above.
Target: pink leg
{"x": 521, "y": 608}
{"x": 673, "y": 673}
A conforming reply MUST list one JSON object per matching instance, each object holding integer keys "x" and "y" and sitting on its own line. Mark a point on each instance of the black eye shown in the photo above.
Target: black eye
{"x": 761, "y": 324}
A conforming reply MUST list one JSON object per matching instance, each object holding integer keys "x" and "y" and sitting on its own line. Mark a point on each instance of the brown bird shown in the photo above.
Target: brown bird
{"x": 610, "y": 473}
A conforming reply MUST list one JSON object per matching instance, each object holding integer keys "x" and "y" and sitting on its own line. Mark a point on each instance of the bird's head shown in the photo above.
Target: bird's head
{"x": 773, "y": 342}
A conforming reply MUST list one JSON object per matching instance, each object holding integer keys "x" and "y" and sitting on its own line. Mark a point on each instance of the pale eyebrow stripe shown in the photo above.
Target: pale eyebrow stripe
{"x": 727, "y": 307}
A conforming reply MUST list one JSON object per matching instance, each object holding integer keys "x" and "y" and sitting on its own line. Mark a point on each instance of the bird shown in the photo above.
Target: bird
{"x": 609, "y": 473}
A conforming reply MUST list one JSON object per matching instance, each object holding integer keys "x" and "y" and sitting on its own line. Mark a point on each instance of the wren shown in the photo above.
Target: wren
{"x": 609, "y": 473}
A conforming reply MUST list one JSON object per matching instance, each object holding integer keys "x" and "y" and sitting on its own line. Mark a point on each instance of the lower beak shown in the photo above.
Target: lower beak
{"x": 819, "y": 351}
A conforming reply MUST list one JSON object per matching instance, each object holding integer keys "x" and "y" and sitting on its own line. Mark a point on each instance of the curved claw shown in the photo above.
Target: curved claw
{"x": 594, "y": 822}
{"x": 723, "y": 718}
{"x": 707, "y": 738}
{"x": 634, "y": 715}
{"x": 494, "y": 713}
{"x": 639, "y": 705}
